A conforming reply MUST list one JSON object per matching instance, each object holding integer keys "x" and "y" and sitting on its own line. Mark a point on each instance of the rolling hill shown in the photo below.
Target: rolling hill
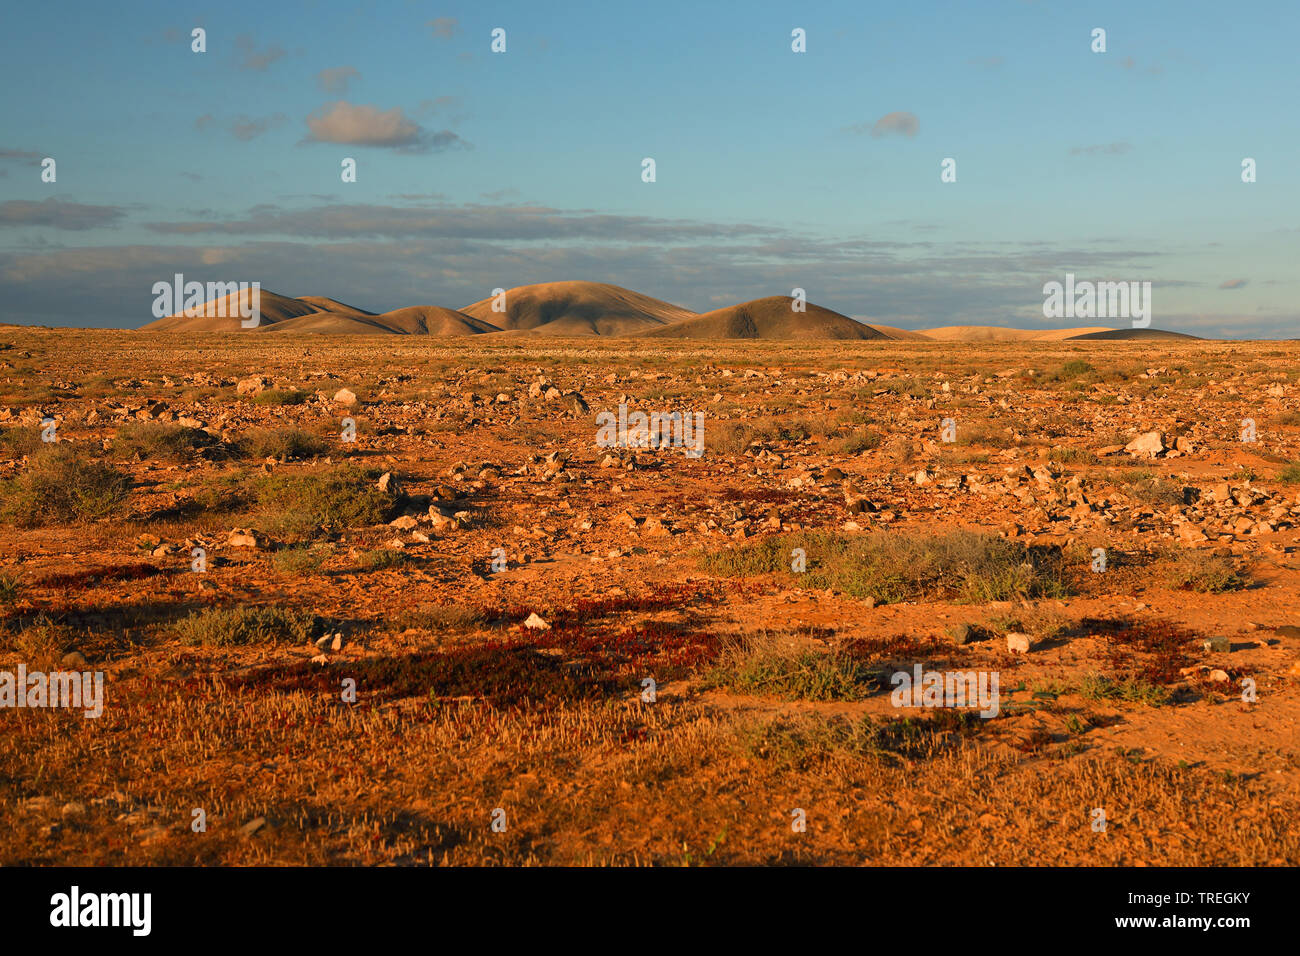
{"x": 598, "y": 309}
{"x": 320, "y": 314}
{"x": 769, "y": 318}
{"x": 577, "y": 308}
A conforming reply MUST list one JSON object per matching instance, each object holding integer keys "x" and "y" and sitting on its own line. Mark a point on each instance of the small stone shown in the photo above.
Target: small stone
{"x": 1218, "y": 676}
{"x": 1217, "y": 644}
{"x": 655, "y": 528}
{"x": 242, "y": 538}
{"x": 535, "y": 623}
{"x": 252, "y": 826}
{"x": 1018, "y": 643}
{"x": 404, "y": 523}
{"x": 960, "y": 633}
{"x": 345, "y": 396}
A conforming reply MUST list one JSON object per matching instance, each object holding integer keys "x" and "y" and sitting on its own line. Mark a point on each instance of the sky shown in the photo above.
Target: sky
{"x": 774, "y": 170}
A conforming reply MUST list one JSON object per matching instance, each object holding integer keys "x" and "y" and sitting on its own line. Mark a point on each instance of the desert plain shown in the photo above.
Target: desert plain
{"x": 425, "y": 637}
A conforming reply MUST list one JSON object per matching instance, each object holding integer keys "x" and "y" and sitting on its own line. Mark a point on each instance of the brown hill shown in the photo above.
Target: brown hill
{"x": 998, "y": 333}
{"x": 433, "y": 320}
{"x": 769, "y": 318}
{"x": 1134, "y": 335}
{"x": 321, "y": 314}
{"x": 329, "y": 323}
{"x": 273, "y": 307}
{"x": 577, "y": 308}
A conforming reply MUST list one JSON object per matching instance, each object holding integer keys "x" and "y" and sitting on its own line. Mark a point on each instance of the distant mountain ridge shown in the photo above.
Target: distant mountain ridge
{"x": 598, "y": 309}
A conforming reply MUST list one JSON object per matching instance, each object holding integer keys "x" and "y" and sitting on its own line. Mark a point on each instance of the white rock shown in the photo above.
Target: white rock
{"x": 1150, "y": 444}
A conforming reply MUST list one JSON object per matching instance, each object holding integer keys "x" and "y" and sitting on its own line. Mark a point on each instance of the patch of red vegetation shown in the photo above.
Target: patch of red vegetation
{"x": 664, "y": 651}
{"x": 503, "y": 673}
{"x": 80, "y": 579}
{"x": 903, "y": 647}
{"x": 1155, "y": 651}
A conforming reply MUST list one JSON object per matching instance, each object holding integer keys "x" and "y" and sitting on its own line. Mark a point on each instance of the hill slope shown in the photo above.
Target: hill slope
{"x": 320, "y": 314}
{"x": 577, "y": 308}
{"x": 273, "y": 306}
{"x": 326, "y": 304}
{"x": 433, "y": 320}
{"x": 769, "y": 318}
{"x": 1134, "y": 335}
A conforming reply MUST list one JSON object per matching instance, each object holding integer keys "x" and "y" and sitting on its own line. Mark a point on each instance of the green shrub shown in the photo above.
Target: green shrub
{"x": 339, "y": 498}
{"x": 159, "y": 441}
{"x": 761, "y": 666}
{"x": 282, "y": 444}
{"x": 898, "y": 566}
{"x": 64, "y": 485}
{"x": 1205, "y": 572}
{"x": 273, "y": 396}
{"x": 231, "y": 627}
{"x": 381, "y": 558}
{"x": 863, "y": 439}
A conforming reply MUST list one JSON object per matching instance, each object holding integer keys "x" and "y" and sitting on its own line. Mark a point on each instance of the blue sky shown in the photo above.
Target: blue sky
{"x": 478, "y": 170}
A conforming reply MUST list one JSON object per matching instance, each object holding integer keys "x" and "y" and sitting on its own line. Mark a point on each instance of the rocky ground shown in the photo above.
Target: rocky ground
{"x": 366, "y": 602}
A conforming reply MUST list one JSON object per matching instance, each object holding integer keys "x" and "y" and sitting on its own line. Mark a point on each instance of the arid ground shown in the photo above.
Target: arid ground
{"x": 349, "y": 679}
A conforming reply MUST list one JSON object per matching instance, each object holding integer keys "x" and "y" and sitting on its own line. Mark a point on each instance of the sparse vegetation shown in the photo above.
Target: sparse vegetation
{"x": 441, "y": 618}
{"x": 239, "y": 626}
{"x": 64, "y": 484}
{"x": 773, "y": 685}
{"x": 892, "y": 567}
{"x": 763, "y": 665}
{"x": 160, "y": 441}
{"x": 10, "y": 588}
{"x": 282, "y": 444}
{"x": 1134, "y": 690}
{"x": 304, "y": 504}
{"x": 1206, "y": 572}
{"x": 275, "y": 396}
